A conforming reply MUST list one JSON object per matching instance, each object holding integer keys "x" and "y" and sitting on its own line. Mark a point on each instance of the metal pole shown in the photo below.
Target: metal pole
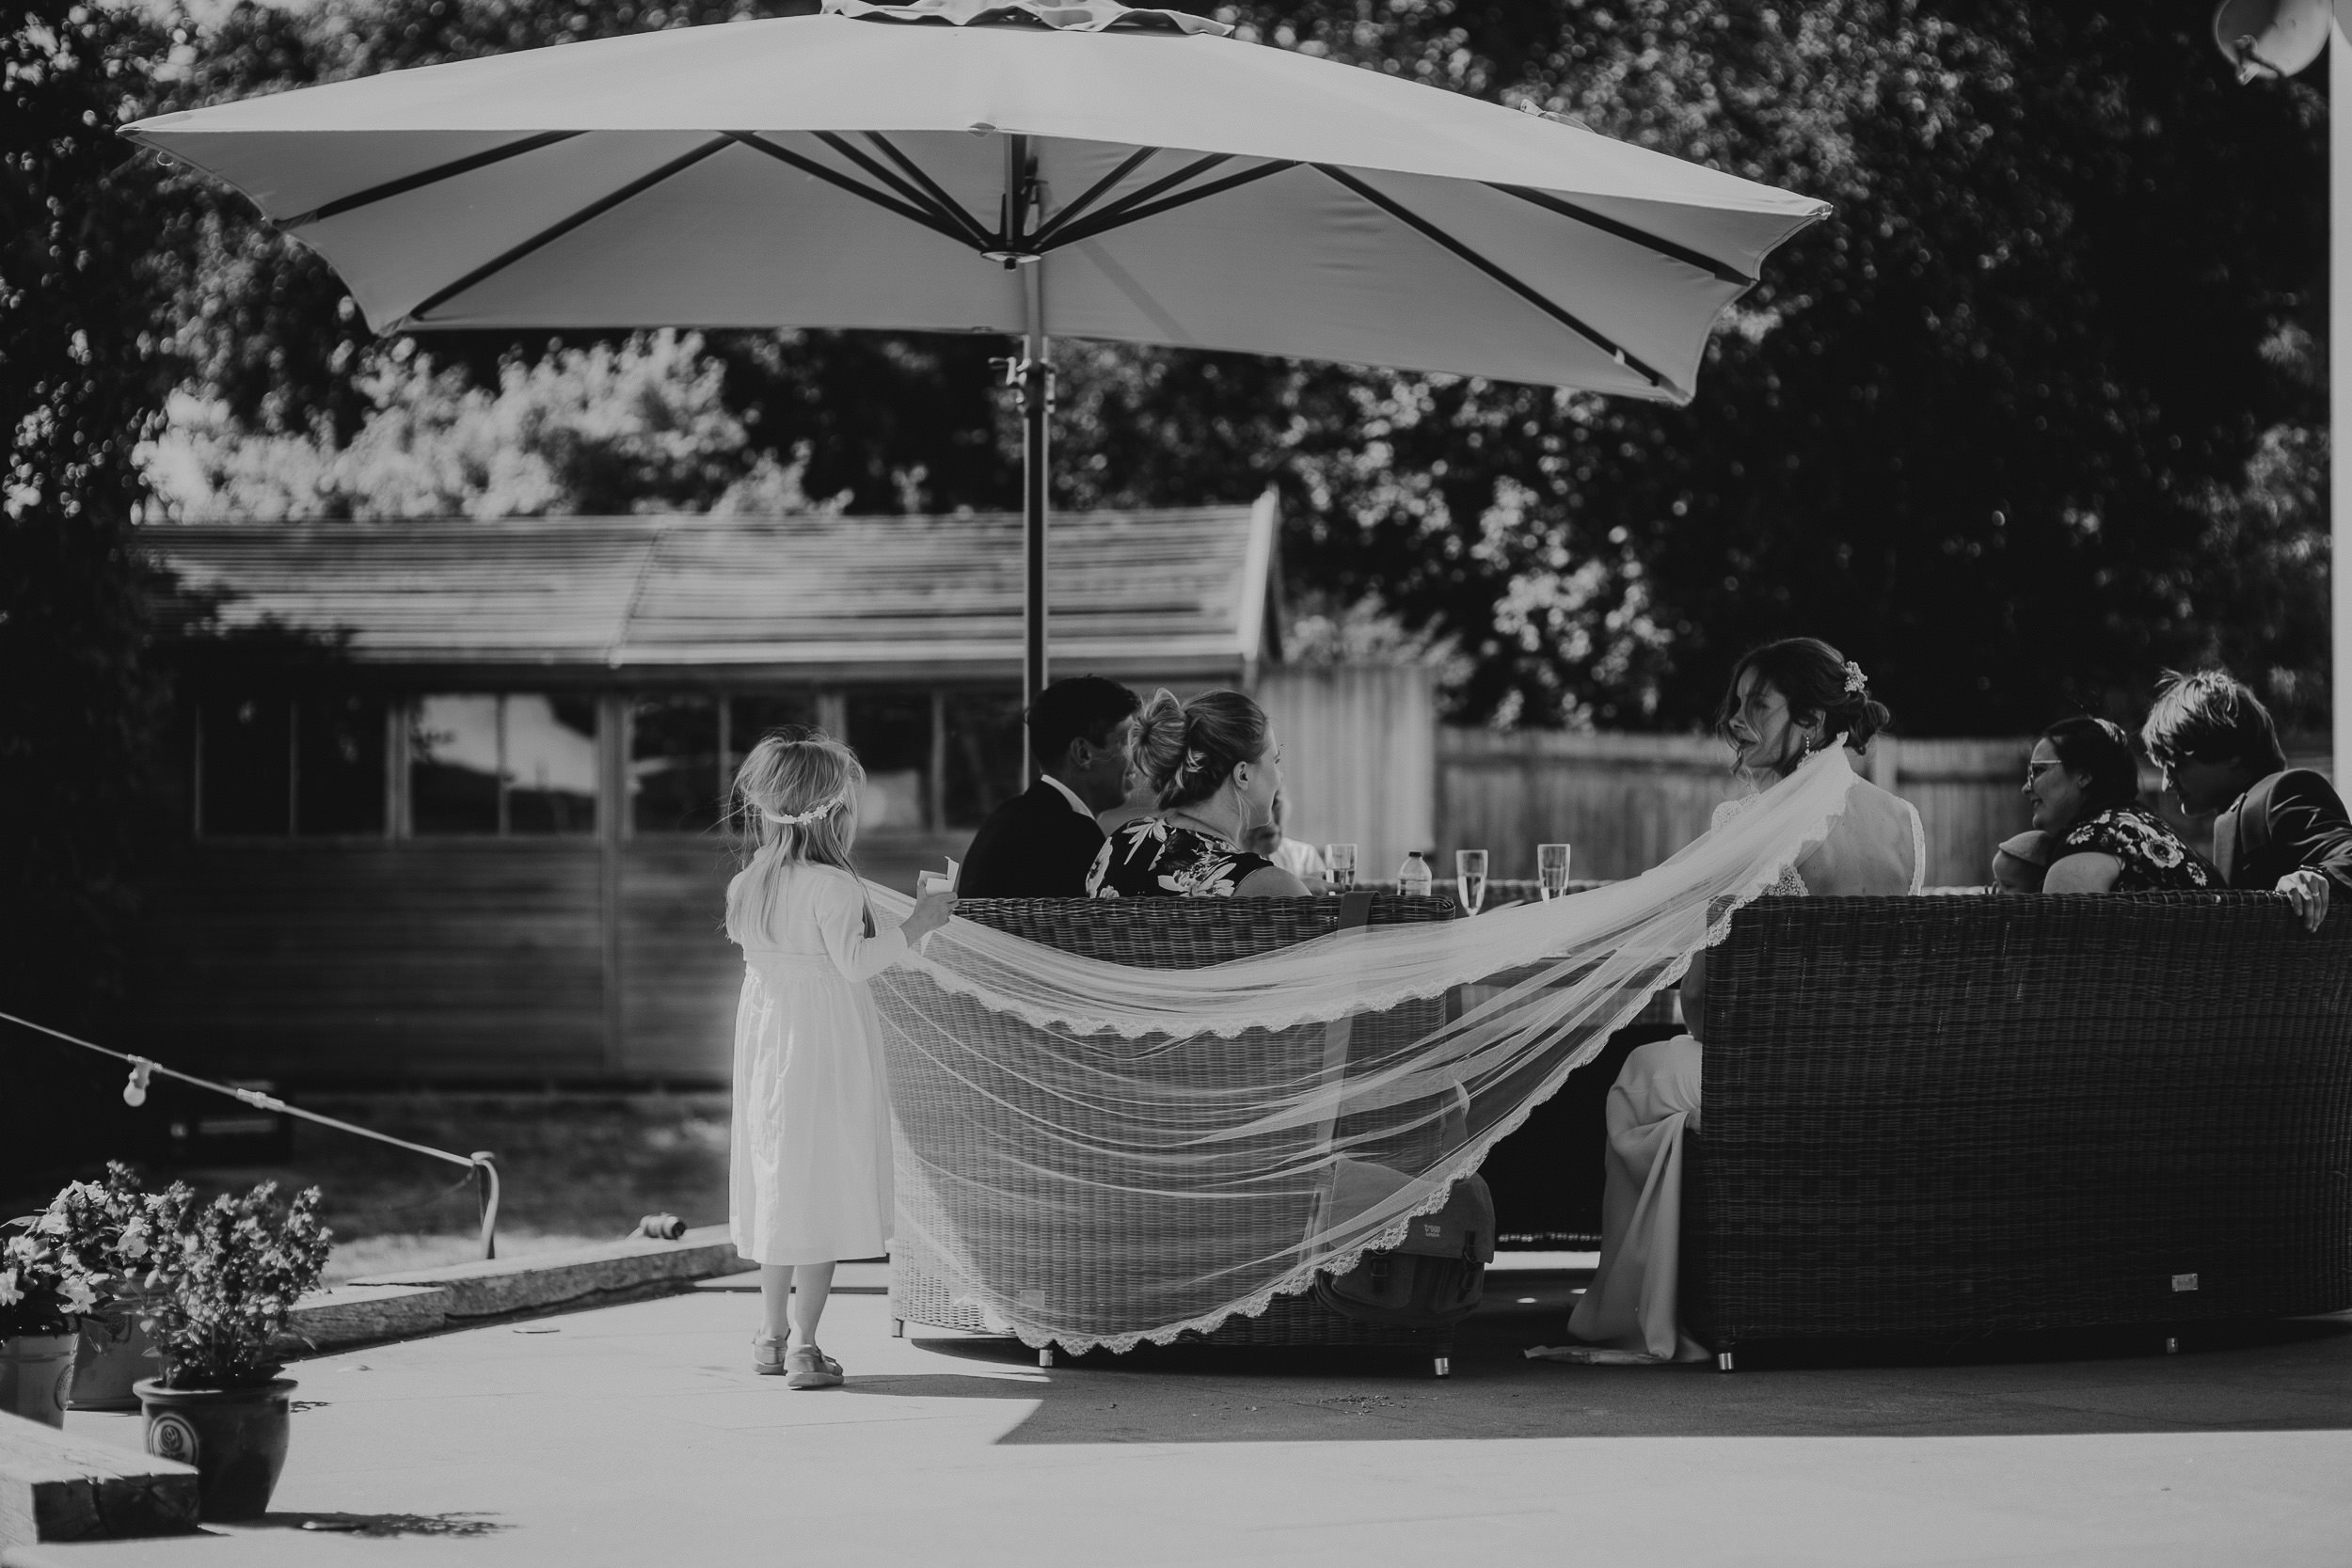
{"x": 2339, "y": 388}
{"x": 1034, "y": 376}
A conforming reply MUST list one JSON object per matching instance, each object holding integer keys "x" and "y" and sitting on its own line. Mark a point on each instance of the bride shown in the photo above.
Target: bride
{"x": 1787, "y": 701}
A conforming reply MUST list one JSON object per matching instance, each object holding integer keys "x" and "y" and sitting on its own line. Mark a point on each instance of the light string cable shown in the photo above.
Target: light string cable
{"x": 482, "y": 1163}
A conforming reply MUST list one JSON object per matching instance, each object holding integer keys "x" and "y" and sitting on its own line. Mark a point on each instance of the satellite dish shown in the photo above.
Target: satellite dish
{"x": 2271, "y": 37}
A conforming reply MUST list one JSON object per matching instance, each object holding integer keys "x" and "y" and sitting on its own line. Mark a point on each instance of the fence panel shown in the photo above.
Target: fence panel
{"x": 1627, "y": 801}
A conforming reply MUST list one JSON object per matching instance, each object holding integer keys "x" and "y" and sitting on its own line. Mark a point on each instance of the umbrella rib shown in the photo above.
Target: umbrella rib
{"x": 1107, "y": 221}
{"x": 948, "y": 206}
{"x": 1558, "y": 312}
{"x": 1135, "y": 198}
{"x": 1567, "y": 209}
{"x": 548, "y": 236}
{"x": 923, "y": 215}
{"x": 407, "y": 182}
{"x": 1070, "y": 215}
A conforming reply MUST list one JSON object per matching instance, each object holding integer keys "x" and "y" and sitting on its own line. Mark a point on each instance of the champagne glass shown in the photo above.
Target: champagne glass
{"x": 1552, "y": 866}
{"x": 1340, "y": 859}
{"x": 1469, "y": 878}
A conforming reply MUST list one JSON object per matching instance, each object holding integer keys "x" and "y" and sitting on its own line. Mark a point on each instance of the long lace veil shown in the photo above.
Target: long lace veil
{"x": 1090, "y": 1153}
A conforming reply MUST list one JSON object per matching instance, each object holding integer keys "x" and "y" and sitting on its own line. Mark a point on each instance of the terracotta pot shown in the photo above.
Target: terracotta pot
{"x": 235, "y": 1438}
{"x": 115, "y": 1354}
{"x": 37, "y": 1376}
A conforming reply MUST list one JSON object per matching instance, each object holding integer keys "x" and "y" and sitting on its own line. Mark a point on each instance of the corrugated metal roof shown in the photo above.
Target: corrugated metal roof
{"x": 1174, "y": 591}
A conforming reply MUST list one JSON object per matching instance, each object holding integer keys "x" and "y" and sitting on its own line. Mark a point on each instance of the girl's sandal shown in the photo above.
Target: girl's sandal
{"x": 810, "y": 1368}
{"x": 767, "y": 1356}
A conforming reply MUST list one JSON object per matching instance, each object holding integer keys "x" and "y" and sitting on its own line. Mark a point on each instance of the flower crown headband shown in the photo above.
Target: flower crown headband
{"x": 799, "y": 819}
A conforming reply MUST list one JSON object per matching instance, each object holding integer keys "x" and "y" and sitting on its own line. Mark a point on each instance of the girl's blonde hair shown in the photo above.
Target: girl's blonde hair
{"x": 797, "y": 793}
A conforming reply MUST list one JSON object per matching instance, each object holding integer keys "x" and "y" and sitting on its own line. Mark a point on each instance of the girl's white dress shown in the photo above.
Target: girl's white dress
{"x": 810, "y": 1177}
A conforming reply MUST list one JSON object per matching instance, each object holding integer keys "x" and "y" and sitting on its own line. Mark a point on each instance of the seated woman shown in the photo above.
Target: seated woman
{"x": 2089, "y": 831}
{"x": 1787, "y": 701}
{"x": 1214, "y": 765}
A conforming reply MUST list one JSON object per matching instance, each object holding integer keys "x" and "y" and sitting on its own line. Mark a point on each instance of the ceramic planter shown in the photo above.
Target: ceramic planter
{"x": 37, "y": 1376}
{"x": 115, "y": 1354}
{"x": 235, "y": 1438}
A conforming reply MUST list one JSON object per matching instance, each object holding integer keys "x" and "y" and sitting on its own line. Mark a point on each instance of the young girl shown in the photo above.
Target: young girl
{"x": 811, "y": 1164}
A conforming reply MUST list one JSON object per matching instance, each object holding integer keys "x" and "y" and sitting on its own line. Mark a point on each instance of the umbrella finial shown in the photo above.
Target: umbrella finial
{"x": 1085, "y": 16}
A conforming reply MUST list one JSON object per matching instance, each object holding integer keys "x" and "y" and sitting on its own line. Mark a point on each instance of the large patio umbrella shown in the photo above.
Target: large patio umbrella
{"x": 1086, "y": 171}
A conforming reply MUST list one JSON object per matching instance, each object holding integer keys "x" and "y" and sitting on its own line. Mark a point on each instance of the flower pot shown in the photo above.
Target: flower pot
{"x": 115, "y": 1354}
{"x": 235, "y": 1438}
{"x": 37, "y": 1376}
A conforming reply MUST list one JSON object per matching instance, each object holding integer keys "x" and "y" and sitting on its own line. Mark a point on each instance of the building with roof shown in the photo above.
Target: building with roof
{"x": 451, "y": 790}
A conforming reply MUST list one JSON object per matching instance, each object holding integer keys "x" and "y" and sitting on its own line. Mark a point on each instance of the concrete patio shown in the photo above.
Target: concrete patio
{"x": 638, "y": 1434}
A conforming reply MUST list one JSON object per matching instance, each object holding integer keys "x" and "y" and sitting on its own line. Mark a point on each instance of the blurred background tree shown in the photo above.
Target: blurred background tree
{"x": 2035, "y": 413}
{"x": 83, "y": 378}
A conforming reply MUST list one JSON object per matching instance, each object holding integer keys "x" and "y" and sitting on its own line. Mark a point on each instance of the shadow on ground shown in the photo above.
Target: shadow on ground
{"x": 2286, "y": 1375}
{"x": 386, "y": 1525}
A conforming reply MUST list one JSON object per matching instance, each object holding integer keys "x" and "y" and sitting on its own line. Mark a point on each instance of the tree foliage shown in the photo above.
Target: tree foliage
{"x": 82, "y": 379}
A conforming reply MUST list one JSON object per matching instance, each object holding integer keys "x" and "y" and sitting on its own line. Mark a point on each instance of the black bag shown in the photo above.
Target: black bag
{"x": 1434, "y": 1278}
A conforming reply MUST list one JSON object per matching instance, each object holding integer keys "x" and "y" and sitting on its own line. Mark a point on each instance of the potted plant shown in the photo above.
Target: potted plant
{"x": 43, "y": 1293}
{"x": 113, "y": 1230}
{"x": 220, "y": 1294}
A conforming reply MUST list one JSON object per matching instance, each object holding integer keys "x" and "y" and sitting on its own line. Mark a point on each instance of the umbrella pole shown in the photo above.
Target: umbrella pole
{"x": 1036, "y": 378}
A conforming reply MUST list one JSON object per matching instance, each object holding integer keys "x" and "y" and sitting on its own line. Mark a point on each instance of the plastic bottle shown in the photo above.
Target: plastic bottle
{"x": 1413, "y": 879}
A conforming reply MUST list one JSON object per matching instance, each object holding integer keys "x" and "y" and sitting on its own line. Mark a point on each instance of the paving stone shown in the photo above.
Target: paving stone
{"x": 353, "y": 1314}
{"x": 56, "y": 1487}
{"x": 499, "y": 1286}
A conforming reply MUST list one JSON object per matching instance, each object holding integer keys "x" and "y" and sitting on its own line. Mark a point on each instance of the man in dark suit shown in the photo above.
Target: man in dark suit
{"x": 2281, "y": 828}
{"x": 1043, "y": 842}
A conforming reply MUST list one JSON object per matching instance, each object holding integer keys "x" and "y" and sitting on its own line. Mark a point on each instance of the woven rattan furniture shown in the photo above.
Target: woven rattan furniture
{"x": 1083, "y": 1252}
{"x": 1948, "y": 1117}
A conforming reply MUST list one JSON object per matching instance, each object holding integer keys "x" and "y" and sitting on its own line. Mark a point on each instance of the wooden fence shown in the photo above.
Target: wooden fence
{"x": 1627, "y": 801}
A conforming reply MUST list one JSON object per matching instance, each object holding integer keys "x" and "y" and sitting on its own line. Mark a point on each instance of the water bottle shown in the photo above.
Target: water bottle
{"x": 1413, "y": 878}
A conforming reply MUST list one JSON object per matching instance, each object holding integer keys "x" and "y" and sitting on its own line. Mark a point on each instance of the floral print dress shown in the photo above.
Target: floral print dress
{"x": 1149, "y": 858}
{"x": 2153, "y": 858}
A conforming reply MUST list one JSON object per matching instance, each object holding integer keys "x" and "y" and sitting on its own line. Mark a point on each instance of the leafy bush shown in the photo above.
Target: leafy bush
{"x": 113, "y": 1230}
{"x": 42, "y": 1290}
{"x": 225, "y": 1283}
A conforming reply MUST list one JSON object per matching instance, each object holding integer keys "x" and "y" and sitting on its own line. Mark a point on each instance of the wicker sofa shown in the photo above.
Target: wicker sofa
{"x": 1083, "y": 1251}
{"x": 1949, "y": 1117}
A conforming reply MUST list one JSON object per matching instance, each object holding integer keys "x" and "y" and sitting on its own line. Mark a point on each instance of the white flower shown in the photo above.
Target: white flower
{"x": 133, "y": 1243}
{"x": 9, "y": 1294}
{"x": 51, "y": 1224}
{"x": 79, "y": 1297}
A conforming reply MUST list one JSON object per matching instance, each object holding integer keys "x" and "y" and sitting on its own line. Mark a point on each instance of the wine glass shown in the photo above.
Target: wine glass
{"x": 1469, "y": 878}
{"x": 1552, "y": 866}
{"x": 1339, "y": 860}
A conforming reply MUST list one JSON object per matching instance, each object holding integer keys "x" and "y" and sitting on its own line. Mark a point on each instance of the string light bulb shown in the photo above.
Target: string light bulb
{"x": 135, "y": 1092}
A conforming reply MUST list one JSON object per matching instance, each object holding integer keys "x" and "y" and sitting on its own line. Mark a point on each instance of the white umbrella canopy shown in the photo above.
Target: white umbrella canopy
{"x": 1168, "y": 185}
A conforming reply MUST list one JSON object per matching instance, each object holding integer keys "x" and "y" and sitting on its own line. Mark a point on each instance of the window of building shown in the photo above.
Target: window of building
{"x": 269, "y": 764}
{"x": 985, "y": 748}
{"x": 339, "y": 777}
{"x": 891, "y": 731}
{"x": 245, "y": 761}
{"x": 519, "y": 763}
{"x": 674, "y": 764}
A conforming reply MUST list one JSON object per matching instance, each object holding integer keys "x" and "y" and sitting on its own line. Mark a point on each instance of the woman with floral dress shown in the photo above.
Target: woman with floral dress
{"x": 1214, "y": 765}
{"x": 2093, "y": 834}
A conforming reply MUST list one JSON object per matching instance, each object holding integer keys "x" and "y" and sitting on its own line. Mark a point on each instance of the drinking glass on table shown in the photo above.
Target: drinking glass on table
{"x": 1339, "y": 860}
{"x": 1469, "y": 878}
{"x": 1551, "y": 868}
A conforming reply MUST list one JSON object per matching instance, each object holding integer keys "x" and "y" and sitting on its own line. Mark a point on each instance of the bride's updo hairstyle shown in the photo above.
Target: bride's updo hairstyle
{"x": 1815, "y": 678}
{"x": 1186, "y": 750}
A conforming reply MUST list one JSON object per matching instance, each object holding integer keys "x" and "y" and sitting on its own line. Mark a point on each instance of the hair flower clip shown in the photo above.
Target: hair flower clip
{"x": 1855, "y": 681}
{"x": 797, "y": 819}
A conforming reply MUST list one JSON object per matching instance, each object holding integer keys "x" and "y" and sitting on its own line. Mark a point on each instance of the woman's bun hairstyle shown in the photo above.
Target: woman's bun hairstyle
{"x": 1815, "y": 678}
{"x": 2099, "y": 751}
{"x": 1186, "y": 750}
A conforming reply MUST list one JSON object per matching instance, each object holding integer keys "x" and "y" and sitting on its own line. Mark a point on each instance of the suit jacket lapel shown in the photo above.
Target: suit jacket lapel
{"x": 2225, "y": 856}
